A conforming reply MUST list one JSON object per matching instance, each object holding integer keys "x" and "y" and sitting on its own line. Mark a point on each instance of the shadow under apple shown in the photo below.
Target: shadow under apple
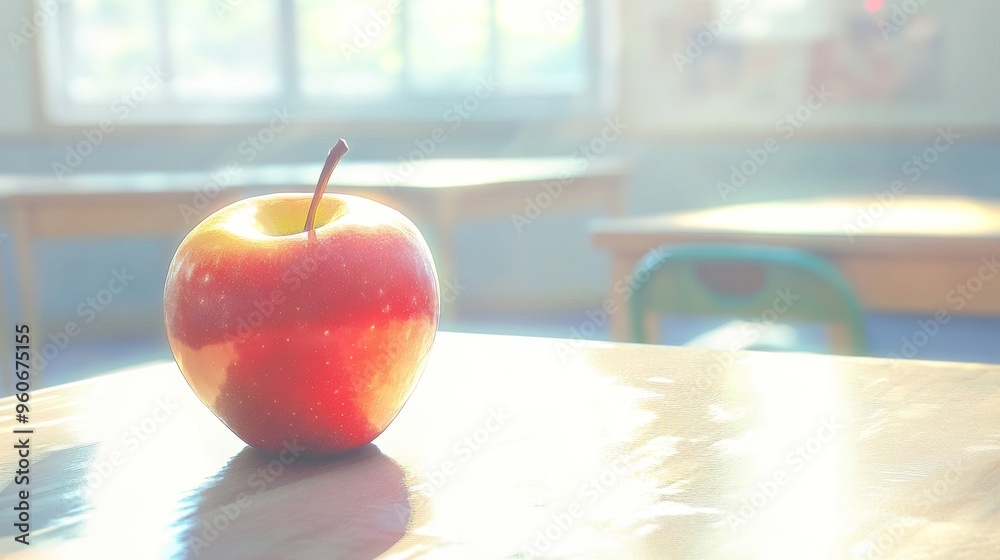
{"x": 262, "y": 505}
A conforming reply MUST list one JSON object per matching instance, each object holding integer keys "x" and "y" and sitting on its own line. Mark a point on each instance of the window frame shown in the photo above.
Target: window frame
{"x": 598, "y": 100}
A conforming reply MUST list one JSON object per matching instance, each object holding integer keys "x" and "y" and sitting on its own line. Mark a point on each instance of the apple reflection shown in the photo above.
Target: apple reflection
{"x": 286, "y": 505}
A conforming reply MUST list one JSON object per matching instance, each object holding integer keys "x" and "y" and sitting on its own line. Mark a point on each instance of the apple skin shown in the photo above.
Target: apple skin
{"x": 310, "y": 338}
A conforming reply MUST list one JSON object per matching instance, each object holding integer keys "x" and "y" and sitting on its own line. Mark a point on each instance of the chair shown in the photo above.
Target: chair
{"x": 758, "y": 285}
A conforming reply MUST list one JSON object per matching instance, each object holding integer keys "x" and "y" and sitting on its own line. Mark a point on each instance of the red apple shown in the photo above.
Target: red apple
{"x": 303, "y": 324}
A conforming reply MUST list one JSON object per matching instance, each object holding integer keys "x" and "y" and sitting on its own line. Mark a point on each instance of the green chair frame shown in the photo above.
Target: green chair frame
{"x": 668, "y": 282}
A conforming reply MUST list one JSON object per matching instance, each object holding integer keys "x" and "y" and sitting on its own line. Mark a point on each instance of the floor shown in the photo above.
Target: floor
{"x": 963, "y": 339}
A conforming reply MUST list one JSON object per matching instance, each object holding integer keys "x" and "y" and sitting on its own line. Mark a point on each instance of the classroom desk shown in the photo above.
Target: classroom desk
{"x": 436, "y": 194}
{"x": 514, "y": 447}
{"x": 907, "y": 255}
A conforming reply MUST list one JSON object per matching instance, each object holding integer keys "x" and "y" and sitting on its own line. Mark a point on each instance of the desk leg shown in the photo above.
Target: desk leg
{"x": 27, "y": 290}
{"x": 621, "y": 268}
{"x": 445, "y": 257}
{"x": 616, "y": 194}
{"x": 7, "y": 385}
{"x": 839, "y": 339}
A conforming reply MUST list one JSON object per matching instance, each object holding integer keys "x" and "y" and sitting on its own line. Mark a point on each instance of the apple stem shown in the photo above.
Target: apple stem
{"x": 332, "y": 159}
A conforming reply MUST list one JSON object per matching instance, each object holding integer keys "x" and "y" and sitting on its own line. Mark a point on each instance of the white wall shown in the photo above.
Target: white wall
{"x": 17, "y": 91}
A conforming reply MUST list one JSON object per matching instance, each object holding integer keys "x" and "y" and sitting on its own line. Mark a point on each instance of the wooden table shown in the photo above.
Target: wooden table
{"x": 436, "y": 194}
{"x": 907, "y": 255}
{"x": 534, "y": 447}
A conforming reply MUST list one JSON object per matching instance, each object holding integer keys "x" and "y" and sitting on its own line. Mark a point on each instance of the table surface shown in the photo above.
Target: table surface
{"x": 435, "y": 173}
{"x": 848, "y": 224}
{"x": 515, "y": 446}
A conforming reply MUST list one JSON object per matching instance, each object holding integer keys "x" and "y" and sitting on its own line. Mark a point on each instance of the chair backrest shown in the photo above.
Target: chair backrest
{"x": 749, "y": 282}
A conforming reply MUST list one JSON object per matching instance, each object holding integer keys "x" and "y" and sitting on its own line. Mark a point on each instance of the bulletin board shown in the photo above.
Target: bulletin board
{"x": 871, "y": 66}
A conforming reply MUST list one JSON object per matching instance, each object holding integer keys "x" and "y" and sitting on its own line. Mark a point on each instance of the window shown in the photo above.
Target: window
{"x": 774, "y": 21}
{"x": 233, "y": 60}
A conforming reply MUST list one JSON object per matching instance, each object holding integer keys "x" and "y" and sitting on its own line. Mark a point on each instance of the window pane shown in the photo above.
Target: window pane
{"x": 782, "y": 20}
{"x": 224, "y": 49}
{"x": 448, "y": 44}
{"x": 541, "y": 46}
{"x": 349, "y": 48}
{"x": 111, "y": 46}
